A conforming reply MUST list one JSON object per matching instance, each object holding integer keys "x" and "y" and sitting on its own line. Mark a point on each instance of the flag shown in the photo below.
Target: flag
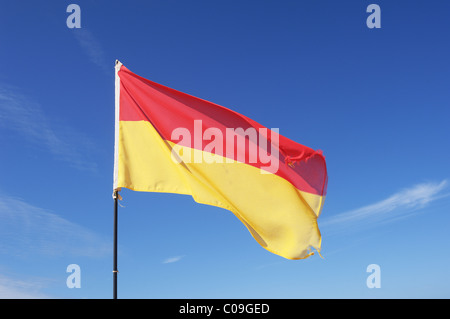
{"x": 172, "y": 142}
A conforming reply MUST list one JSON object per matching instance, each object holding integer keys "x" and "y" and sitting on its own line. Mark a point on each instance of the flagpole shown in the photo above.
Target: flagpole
{"x": 116, "y": 195}
{"x": 115, "y": 271}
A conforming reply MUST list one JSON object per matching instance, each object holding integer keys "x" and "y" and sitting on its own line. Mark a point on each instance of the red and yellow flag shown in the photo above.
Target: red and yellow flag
{"x": 172, "y": 142}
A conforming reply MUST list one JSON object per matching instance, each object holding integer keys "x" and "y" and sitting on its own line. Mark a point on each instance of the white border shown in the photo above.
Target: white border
{"x": 116, "y": 130}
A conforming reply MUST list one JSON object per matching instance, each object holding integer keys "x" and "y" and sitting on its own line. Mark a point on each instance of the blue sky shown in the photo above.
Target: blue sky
{"x": 376, "y": 101}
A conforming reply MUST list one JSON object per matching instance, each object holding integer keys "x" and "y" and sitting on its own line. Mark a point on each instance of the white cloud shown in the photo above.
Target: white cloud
{"x": 172, "y": 259}
{"x": 91, "y": 46}
{"x": 21, "y": 289}
{"x": 399, "y": 205}
{"x": 25, "y": 117}
{"x": 26, "y": 230}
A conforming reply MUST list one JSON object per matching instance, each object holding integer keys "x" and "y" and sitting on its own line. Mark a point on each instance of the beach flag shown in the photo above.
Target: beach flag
{"x": 172, "y": 142}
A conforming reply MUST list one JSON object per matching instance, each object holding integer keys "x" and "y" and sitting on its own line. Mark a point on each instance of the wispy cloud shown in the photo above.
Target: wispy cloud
{"x": 11, "y": 288}
{"x": 399, "y": 205}
{"x": 26, "y": 117}
{"x": 93, "y": 49}
{"x": 172, "y": 259}
{"x": 27, "y": 230}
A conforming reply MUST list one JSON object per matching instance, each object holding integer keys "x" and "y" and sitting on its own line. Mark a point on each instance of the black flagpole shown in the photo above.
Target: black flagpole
{"x": 115, "y": 271}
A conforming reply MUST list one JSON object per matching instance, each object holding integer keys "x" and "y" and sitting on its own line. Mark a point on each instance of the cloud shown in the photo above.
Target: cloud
{"x": 21, "y": 289}
{"x": 172, "y": 259}
{"x": 26, "y": 117}
{"x": 398, "y": 205}
{"x": 91, "y": 46}
{"x": 26, "y": 230}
